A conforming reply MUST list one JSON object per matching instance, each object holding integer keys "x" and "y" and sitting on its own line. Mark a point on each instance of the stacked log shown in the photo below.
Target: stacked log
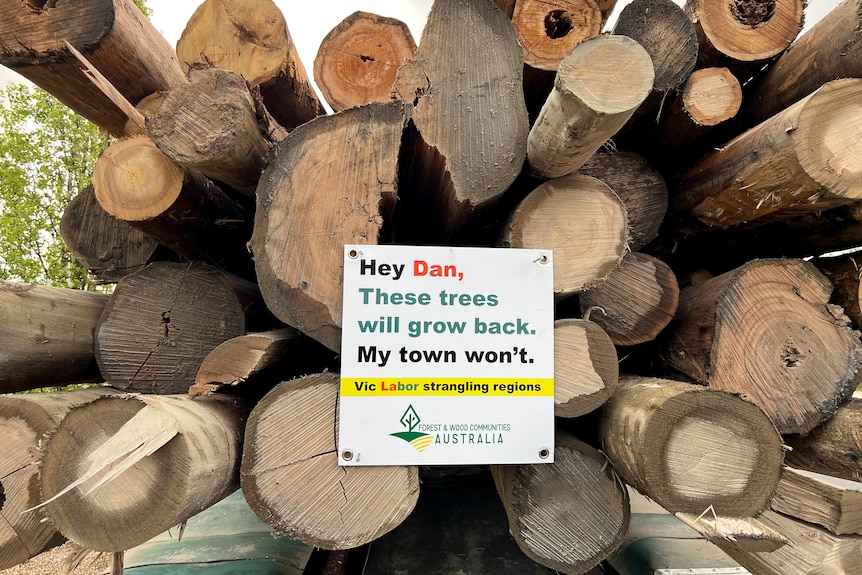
{"x": 256, "y": 193}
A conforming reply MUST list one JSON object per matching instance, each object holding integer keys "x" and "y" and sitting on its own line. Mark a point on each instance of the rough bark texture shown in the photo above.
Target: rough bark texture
{"x": 331, "y": 182}
{"x": 834, "y": 448}
{"x": 767, "y": 331}
{"x": 292, "y": 480}
{"x": 568, "y": 515}
{"x": 585, "y": 367}
{"x": 358, "y": 60}
{"x": 47, "y": 336}
{"x": 689, "y": 447}
{"x": 112, "y": 34}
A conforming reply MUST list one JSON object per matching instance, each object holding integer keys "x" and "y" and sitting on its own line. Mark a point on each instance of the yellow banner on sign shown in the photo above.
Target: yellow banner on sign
{"x": 448, "y": 386}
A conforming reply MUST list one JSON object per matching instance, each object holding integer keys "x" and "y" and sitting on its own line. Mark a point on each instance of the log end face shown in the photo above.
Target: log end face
{"x": 750, "y": 30}
{"x": 586, "y": 369}
{"x": 548, "y": 32}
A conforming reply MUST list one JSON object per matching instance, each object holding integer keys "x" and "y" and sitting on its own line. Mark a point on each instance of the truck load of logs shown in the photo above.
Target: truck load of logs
{"x": 690, "y": 170}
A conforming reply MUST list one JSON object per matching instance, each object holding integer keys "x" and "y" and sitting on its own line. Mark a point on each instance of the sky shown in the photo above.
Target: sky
{"x": 308, "y": 22}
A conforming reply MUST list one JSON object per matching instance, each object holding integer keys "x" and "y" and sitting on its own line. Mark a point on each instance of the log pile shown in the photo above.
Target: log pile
{"x": 698, "y": 341}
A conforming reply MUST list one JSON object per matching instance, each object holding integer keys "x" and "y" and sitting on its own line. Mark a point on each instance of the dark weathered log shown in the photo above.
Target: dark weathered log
{"x": 112, "y": 34}
{"x": 47, "y": 336}
{"x": 358, "y": 60}
{"x": 820, "y": 500}
{"x": 26, "y": 422}
{"x": 162, "y": 321}
{"x": 568, "y": 515}
{"x": 834, "y": 448}
{"x": 585, "y": 367}
{"x": 597, "y": 88}
{"x": 689, "y": 447}
{"x": 331, "y": 182}
{"x": 149, "y": 464}
{"x": 212, "y": 125}
{"x": 636, "y": 301}
{"x": 801, "y": 160}
{"x": 250, "y": 37}
{"x": 180, "y": 207}
{"x": 767, "y": 331}
{"x": 469, "y": 128}
{"x": 582, "y": 220}
{"x": 292, "y": 480}
{"x": 639, "y": 185}
{"x": 104, "y": 245}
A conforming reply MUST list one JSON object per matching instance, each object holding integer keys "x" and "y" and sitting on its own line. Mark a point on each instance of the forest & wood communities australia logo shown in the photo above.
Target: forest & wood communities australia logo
{"x": 417, "y": 439}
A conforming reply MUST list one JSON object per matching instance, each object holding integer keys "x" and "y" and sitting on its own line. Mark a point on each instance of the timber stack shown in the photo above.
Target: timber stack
{"x": 689, "y": 177}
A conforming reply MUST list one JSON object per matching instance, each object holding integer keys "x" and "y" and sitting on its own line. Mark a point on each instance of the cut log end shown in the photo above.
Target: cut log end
{"x": 585, "y": 367}
{"x": 550, "y": 30}
{"x": 711, "y": 96}
{"x": 750, "y": 30}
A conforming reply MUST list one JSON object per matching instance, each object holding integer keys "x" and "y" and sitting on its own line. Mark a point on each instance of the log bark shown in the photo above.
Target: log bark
{"x": 358, "y": 60}
{"x": 843, "y": 273}
{"x": 767, "y": 331}
{"x": 162, "y": 321}
{"x": 830, "y": 49}
{"x": 819, "y": 500}
{"x": 26, "y": 422}
{"x": 639, "y": 185}
{"x": 212, "y": 125}
{"x": 597, "y": 88}
{"x": 582, "y": 220}
{"x": 346, "y": 166}
{"x": 802, "y": 160}
{"x": 112, "y": 34}
{"x": 689, "y": 447}
{"x": 834, "y": 448}
{"x": 149, "y": 464}
{"x": 47, "y": 336}
{"x": 251, "y": 38}
{"x": 568, "y": 515}
{"x": 636, "y": 302}
{"x": 467, "y": 140}
{"x": 135, "y": 182}
{"x": 104, "y": 245}
{"x": 292, "y": 480}
{"x": 743, "y": 35}
{"x": 585, "y": 367}
{"x": 549, "y": 31}
{"x": 810, "y": 550}
{"x": 710, "y": 96}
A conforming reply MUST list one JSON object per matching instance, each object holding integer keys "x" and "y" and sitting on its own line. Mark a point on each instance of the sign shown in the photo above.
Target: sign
{"x": 447, "y": 356}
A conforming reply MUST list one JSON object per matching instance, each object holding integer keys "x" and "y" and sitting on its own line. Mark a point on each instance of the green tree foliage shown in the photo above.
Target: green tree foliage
{"x": 47, "y": 154}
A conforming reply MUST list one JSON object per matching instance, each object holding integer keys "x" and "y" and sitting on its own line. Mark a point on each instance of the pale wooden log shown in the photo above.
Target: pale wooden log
{"x": 237, "y": 359}
{"x": 467, "y": 142}
{"x": 689, "y": 447}
{"x": 844, "y": 275}
{"x": 582, "y": 220}
{"x": 47, "y": 336}
{"x": 597, "y": 88}
{"x": 810, "y": 550}
{"x": 549, "y": 30}
{"x": 568, "y": 515}
{"x": 162, "y": 321}
{"x": 744, "y": 35}
{"x": 358, "y": 60}
{"x": 740, "y": 533}
{"x": 112, "y": 34}
{"x": 346, "y": 166}
{"x": 710, "y": 96}
{"x": 26, "y": 422}
{"x": 802, "y": 160}
{"x": 149, "y": 463}
{"x": 586, "y": 370}
{"x": 104, "y": 245}
{"x": 135, "y": 182}
{"x": 212, "y": 125}
{"x": 251, "y": 38}
{"x": 830, "y": 49}
{"x": 639, "y": 185}
{"x": 834, "y": 448}
{"x": 291, "y": 477}
{"x": 636, "y": 302}
{"x": 767, "y": 331}
{"x": 819, "y": 500}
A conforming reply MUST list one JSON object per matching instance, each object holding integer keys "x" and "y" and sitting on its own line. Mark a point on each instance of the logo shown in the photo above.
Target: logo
{"x": 417, "y": 439}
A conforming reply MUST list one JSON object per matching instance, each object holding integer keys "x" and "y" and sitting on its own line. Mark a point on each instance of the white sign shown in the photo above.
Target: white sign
{"x": 447, "y": 356}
